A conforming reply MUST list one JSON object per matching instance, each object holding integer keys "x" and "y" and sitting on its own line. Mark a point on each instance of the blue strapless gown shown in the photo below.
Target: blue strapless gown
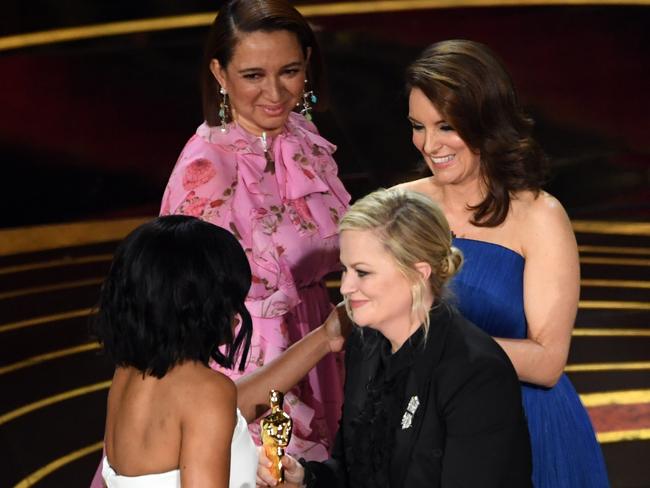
{"x": 489, "y": 292}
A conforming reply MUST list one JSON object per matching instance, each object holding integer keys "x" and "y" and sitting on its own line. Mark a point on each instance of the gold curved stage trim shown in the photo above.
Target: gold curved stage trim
{"x": 47, "y": 237}
{"x": 48, "y": 288}
{"x": 46, "y": 319}
{"x": 203, "y": 19}
{"x": 46, "y": 402}
{"x": 594, "y": 367}
{"x": 49, "y": 468}
{"x": 55, "y": 263}
{"x": 583, "y": 282}
{"x": 614, "y": 261}
{"x": 620, "y": 397}
{"x": 614, "y": 250}
{"x": 613, "y": 305}
{"x": 43, "y": 237}
{"x": 611, "y": 227}
{"x": 623, "y": 435}
{"x": 330, "y": 283}
{"x": 615, "y": 283}
{"x": 49, "y": 356}
{"x": 585, "y": 332}
{"x": 91, "y": 346}
{"x": 30, "y": 480}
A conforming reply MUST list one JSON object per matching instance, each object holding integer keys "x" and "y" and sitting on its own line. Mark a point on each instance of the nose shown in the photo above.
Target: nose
{"x": 347, "y": 283}
{"x": 431, "y": 142}
{"x": 274, "y": 88}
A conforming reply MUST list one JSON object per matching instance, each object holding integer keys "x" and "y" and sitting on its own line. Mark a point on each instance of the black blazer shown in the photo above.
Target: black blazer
{"x": 469, "y": 429}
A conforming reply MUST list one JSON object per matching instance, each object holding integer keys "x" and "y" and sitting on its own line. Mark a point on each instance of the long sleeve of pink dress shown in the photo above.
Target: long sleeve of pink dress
{"x": 283, "y": 206}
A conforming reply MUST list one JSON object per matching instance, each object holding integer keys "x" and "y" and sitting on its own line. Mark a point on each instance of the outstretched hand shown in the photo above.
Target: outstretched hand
{"x": 338, "y": 327}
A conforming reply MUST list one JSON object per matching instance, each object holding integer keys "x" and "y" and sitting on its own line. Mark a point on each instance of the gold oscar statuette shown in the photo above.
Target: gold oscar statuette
{"x": 276, "y": 433}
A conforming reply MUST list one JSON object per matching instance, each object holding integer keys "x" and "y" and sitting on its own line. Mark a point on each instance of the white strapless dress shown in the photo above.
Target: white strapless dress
{"x": 243, "y": 466}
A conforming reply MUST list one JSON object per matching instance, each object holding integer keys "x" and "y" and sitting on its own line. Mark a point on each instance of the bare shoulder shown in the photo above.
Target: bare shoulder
{"x": 203, "y": 390}
{"x": 544, "y": 209}
{"x": 542, "y": 218}
{"x": 423, "y": 185}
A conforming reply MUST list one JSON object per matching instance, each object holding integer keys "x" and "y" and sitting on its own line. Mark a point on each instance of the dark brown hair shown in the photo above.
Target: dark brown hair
{"x": 174, "y": 289}
{"x": 471, "y": 89}
{"x": 245, "y": 16}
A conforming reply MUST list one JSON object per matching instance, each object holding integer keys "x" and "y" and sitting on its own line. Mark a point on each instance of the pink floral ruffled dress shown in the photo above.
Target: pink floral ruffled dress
{"x": 284, "y": 207}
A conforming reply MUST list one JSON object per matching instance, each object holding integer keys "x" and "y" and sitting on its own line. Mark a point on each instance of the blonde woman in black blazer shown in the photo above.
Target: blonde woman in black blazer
{"x": 430, "y": 399}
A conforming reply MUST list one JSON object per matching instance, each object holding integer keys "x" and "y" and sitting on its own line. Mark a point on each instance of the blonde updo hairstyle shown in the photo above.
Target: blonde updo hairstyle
{"x": 412, "y": 229}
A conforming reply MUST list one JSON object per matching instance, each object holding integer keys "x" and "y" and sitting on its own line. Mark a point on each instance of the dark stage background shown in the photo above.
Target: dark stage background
{"x": 92, "y": 128}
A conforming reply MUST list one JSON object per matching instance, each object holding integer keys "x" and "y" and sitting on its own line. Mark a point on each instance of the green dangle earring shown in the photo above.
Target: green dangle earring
{"x": 308, "y": 100}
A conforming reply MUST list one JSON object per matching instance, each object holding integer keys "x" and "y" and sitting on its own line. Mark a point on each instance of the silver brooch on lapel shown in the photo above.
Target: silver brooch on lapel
{"x": 407, "y": 418}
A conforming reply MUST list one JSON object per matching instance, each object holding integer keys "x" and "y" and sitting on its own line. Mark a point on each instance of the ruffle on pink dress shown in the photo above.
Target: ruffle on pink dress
{"x": 284, "y": 208}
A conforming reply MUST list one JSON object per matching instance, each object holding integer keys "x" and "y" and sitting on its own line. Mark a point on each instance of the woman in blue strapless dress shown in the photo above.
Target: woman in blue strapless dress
{"x": 521, "y": 277}
{"x": 489, "y": 291}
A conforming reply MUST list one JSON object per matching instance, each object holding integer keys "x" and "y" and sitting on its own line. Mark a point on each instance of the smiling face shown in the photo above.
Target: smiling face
{"x": 376, "y": 291}
{"x": 264, "y": 79}
{"x": 449, "y": 158}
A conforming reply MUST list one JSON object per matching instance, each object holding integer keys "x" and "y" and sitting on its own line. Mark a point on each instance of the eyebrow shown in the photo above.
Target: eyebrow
{"x": 294, "y": 64}
{"x": 439, "y": 122}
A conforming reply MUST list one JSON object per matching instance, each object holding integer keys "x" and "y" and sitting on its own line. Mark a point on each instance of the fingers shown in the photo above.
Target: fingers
{"x": 344, "y": 320}
{"x": 289, "y": 462}
{"x": 293, "y": 470}
{"x": 264, "y": 476}
{"x": 294, "y": 473}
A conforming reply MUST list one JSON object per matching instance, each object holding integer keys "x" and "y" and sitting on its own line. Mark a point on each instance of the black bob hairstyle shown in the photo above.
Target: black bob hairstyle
{"x": 175, "y": 288}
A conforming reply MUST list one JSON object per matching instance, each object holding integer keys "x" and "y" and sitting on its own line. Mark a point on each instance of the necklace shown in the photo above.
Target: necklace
{"x": 270, "y": 164}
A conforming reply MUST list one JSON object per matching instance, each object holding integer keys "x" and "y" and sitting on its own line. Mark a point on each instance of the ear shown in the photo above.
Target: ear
{"x": 308, "y": 56}
{"x": 219, "y": 73}
{"x": 424, "y": 269}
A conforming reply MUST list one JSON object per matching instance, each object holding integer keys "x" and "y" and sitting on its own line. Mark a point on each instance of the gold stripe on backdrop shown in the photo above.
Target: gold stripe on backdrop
{"x": 46, "y": 402}
{"x": 316, "y": 10}
{"x": 49, "y": 468}
{"x": 594, "y": 367}
{"x": 106, "y": 29}
{"x": 41, "y": 358}
{"x": 46, "y": 319}
{"x": 47, "y": 288}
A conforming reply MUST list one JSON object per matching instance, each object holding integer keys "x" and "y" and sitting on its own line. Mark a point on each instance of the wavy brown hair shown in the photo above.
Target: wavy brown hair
{"x": 238, "y": 17}
{"x": 472, "y": 90}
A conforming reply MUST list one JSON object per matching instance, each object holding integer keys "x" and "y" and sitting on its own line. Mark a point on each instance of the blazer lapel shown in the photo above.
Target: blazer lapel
{"x": 360, "y": 370}
{"x": 418, "y": 392}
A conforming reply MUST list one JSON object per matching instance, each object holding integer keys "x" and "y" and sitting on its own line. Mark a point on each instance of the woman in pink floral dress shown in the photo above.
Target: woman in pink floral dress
{"x": 261, "y": 170}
